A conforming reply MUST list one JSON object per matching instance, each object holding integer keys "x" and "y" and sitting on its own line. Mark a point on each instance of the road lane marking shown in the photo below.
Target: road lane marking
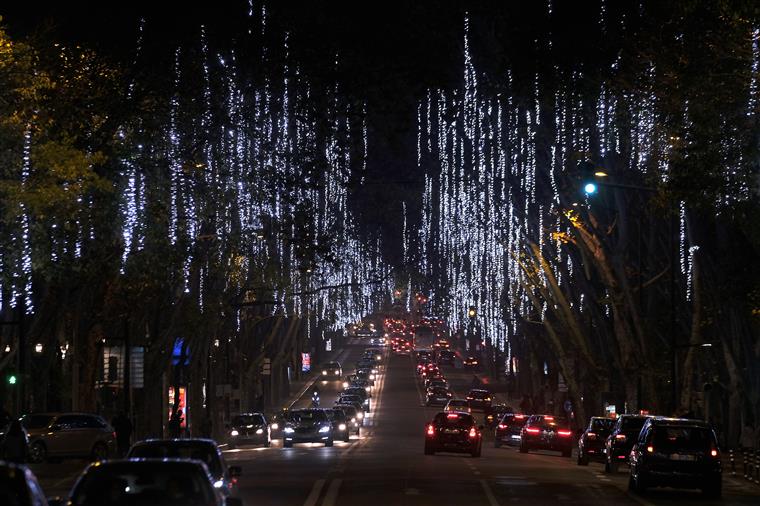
{"x": 316, "y": 490}
{"x": 332, "y": 492}
{"x": 489, "y": 493}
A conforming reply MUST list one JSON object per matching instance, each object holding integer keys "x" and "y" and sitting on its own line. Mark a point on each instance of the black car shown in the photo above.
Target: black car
{"x": 249, "y": 428}
{"x": 496, "y": 413}
{"x": 547, "y": 432}
{"x": 354, "y": 416}
{"x": 676, "y": 452}
{"x": 332, "y": 370}
{"x": 353, "y": 400}
{"x": 437, "y": 396}
{"x": 508, "y": 429}
{"x": 479, "y": 399}
{"x": 307, "y": 426}
{"x": 18, "y": 485}
{"x": 591, "y": 444}
{"x": 204, "y": 450}
{"x": 453, "y": 432}
{"x": 341, "y": 425}
{"x": 359, "y": 392}
{"x": 446, "y": 357}
{"x": 158, "y": 482}
{"x": 621, "y": 440}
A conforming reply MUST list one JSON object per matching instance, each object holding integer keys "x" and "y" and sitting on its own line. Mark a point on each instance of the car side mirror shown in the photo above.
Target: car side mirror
{"x": 233, "y": 501}
{"x": 55, "y": 501}
{"x": 235, "y": 471}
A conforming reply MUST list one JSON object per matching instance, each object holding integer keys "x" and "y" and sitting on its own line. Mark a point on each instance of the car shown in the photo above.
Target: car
{"x": 453, "y": 432}
{"x": 19, "y": 486}
{"x": 591, "y": 444}
{"x": 547, "y": 432}
{"x": 359, "y": 392}
{"x": 446, "y": 357}
{"x": 374, "y": 353}
{"x": 425, "y": 355}
{"x": 361, "y": 402}
{"x": 436, "y": 377}
{"x": 430, "y": 369}
{"x": 332, "y": 370}
{"x": 495, "y": 414}
{"x": 438, "y": 382}
{"x": 361, "y": 383}
{"x": 621, "y": 439}
{"x": 204, "y": 450}
{"x": 341, "y": 425}
{"x": 366, "y": 374}
{"x": 676, "y": 452}
{"x": 249, "y": 428}
{"x": 307, "y": 426}
{"x": 437, "y": 396}
{"x": 442, "y": 344}
{"x": 368, "y": 364}
{"x": 508, "y": 429}
{"x": 157, "y": 482}
{"x": 458, "y": 405}
{"x": 471, "y": 362}
{"x": 378, "y": 341}
{"x": 479, "y": 399}
{"x": 68, "y": 435}
{"x": 354, "y": 416}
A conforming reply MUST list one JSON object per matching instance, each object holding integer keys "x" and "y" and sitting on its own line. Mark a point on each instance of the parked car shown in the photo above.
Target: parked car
{"x": 19, "y": 486}
{"x": 204, "y": 450}
{"x": 676, "y": 452}
{"x": 68, "y": 435}
{"x": 591, "y": 444}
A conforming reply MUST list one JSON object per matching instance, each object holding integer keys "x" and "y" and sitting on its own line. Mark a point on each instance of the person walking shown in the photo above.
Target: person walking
{"x": 123, "y": 428}
{"x": 15, "y": 445}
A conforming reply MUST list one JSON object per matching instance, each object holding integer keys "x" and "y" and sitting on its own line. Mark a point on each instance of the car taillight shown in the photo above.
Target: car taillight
{"x": 591, "y": 435}
{"x": 502, "y": 426}
{"x": 473, "y": 432}
{"x": 430, "y": 430}
{"x": 620, "y": 437}
{"x": 531, "y": 430}
{"x": 650, "y": 449}
{"x": 549, "y": 418}
{"x": 564, "y": 432}
{"x": 714, "y": 452}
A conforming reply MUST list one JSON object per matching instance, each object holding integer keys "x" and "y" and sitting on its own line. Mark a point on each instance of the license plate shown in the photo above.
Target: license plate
{"x": 451, "y": 431}
{"x": 686, "y": 458}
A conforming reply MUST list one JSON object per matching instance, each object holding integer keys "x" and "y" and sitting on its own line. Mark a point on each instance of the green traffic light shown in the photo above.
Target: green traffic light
{"x": 12, "y": 379}
{"x": 590, "y": 188}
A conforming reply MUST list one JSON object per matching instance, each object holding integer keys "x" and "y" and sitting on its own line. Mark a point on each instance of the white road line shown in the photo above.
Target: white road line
{"x": 489, "y": 493}
{"x": 314, "y": 494}
{"x": 332, "y": 492}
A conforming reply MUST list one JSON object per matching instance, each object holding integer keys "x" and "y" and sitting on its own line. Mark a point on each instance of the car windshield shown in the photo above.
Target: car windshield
{"x": 355, "y": 391}
{"x": 308, "y": 416}
{"x": 459, "y": 420}
{"x": 632, "y": 423}
{"x": 458, "y": 403}
{"x": 248, "y": 420}
{"x": 675, "y": 439}
{"x": 36, "y": 421}
{"x": 159, "y": 484}
{"x": 512, "y": 419}
{"x": 332, "y": 365}
{"x": 479, "y": 394}
{"x": 192, "y": 450}
{"x": 602, "y": 424}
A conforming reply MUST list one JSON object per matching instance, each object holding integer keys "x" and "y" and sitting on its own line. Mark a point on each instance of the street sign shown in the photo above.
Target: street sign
{"x": 266, "y": 367}
{"x": 305, "y": 362}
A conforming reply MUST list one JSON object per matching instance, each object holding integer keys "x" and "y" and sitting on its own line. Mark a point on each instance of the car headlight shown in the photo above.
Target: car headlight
{"x": 288, "y": 430}
{"x": 372, "y": 376}
{"x": 324, "y": 373}
{"x": 259, "y": 431}
{"x": 324, "y": 429}
{"x": 275, "y": 426}
{"x": 342, "y": 426}
{"x": 234, "y": 432}
{"x": 366, "y": 388}
{"x": 336, "y": 373}
{"x": 353, "y": 420}
{"x": 359, "y": 415}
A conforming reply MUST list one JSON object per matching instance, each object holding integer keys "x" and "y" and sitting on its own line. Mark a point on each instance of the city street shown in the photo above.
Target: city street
{"x": 386, "y": 465}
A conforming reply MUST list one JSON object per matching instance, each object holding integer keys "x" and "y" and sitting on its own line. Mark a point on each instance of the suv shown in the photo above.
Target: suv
{"x": 77, "y": 435}
{"x": 453, "y": 432}
{"x": 479, "y": 399}
{"x": 676, "y": 452}
{"x": 621, "y": 440}
{"x": 332, "y": 370}
{"x": 547, "y": 432}
{"x": 592, "y": 442}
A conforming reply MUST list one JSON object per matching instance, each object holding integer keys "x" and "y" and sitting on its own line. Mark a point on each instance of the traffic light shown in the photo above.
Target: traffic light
{"x": 589, "y": 176}
{"x": 12, "y": 379}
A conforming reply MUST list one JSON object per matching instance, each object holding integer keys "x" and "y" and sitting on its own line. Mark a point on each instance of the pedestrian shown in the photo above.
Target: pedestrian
{"x": 175, "y": 424}
{"x": 123, "y": 428}
{"x": 15, "y": 445}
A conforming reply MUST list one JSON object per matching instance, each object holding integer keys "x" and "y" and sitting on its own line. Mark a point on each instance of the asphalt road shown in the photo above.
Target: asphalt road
{"x": 385, "y": 465}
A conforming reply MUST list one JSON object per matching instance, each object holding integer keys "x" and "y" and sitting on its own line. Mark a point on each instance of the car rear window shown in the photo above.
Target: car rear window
{"x": 309, "y": 416}
{"x": 479, "y": 394}
{"x": 460, "y": 420}
{"x": 204, "y": 452}
{"x": 632, "y": 423}
{"x": 675, "y": 439}
{"x": 512, "y": 419}
{"x": 602, "y": 424}
{"x": 439, "y": 391}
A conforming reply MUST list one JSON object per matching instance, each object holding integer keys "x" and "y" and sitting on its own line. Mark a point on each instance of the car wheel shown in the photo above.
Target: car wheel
{"x": 637, "y": 484}
{"x": 99, "y": 452}
{"x": 287, "y": 444}
{"x": 582, "y": 459}
{"x": 523, "y": 448}
{"x": 37, "y": 452}
{"x": 329, "y": 442}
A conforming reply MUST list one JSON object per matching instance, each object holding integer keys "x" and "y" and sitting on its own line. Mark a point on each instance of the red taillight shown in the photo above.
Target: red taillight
{"x": 549, "y": 418}
{"x": 620, "y": 437}
{"x": 502, "y": 426}
{"x": 430, "y": 430}
{"x": 564, "y": 432}
{"x": 650, "y": 449}
{"x": 714, "y": 452}
{"x": 452, "y": 416}
{"x": 591, "y": 435}
{"x": 532, "y": 431}
{"x": 519, "y": 417}
{"x": 473, "y": 432}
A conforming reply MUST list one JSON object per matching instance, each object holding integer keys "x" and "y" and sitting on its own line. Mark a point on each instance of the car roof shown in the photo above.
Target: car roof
{"x": 679, "y": 422}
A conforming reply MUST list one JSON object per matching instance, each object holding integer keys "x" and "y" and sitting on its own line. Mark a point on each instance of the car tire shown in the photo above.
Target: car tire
{"x": 582, "y": 459}
{"x": 99, "y": 452}
{"x": 328, "y": 443}
{"x": 523, "y": 448}
{"x": 287, "y": 444}
{"x": 637, "y": 485}
{"x": 37, "y": 452}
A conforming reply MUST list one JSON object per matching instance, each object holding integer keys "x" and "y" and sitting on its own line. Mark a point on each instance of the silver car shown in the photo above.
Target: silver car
{"x": 68, "y": 435}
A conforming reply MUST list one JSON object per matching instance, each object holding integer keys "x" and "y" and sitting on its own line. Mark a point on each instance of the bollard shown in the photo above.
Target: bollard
{"x": 733, "y": 463}
{"x": 746, "y": 463}
{"x": 757, "y": 466}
